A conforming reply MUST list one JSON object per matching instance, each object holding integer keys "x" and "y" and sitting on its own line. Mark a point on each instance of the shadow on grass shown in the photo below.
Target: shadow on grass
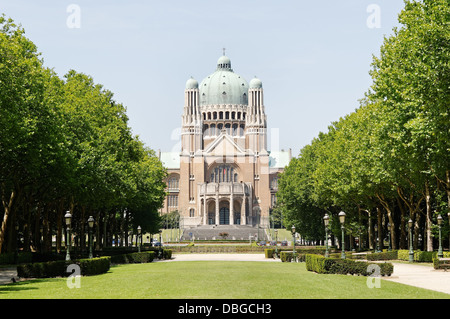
{"x": 23, "y": 285}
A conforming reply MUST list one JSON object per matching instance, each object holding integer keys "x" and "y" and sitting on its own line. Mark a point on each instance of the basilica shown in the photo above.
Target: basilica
{"x": 224, "y": 174}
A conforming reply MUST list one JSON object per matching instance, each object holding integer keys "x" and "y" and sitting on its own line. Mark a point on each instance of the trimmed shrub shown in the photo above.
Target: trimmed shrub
{"x": 286, "y": 256}
{"x": 268, "y": 253}
{"x": 437, "y": 264}
{"x": 419, "y": 256}
{"x": 167, "y": 253}
{"x": 323, "y": 265}
{"x": 94, "y": 266}
{"x": 58, "y": 268}
{"x": 142, "y": 257}
{"x": 385, "y": 255}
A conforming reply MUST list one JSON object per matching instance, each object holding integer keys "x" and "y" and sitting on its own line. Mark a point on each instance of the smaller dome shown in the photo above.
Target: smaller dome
{"x": 255, "y": 83}
{"x": 224, "y": 63}
{"x": 191, "y": 84}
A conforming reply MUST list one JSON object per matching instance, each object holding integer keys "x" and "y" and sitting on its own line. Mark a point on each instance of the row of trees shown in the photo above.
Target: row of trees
{"x": 389, "y": 160}
{"x": 65, "y": 145}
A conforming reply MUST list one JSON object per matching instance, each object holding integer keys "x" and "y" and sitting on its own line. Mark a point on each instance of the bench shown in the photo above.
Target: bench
{"x": 444, "y": 263}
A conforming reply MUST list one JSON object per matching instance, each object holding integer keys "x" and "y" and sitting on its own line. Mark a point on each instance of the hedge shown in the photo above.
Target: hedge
{"x": 437, "y": 264}
{"x": 323, "y": 265}
{"x": 385, "y": 255}
{"x": 142, "y": 257}
{"x": 286, "y": 256}
{"x": 88, "y": 267}
{"x": 14, "y": 258}
{"x": 269, "y": 252}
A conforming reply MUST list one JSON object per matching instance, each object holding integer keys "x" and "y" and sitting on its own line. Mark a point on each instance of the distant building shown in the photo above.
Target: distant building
{"x": 224, "y": 174}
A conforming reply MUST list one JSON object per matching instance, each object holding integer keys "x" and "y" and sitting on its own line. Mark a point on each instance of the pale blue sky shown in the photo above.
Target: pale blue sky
{"x": 313, "y": 57}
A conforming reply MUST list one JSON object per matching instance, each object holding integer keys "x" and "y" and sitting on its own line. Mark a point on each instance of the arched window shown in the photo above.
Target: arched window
{"x": 274, "y": 183}
{"x": 173, "y": 183}
{"x": 224, "y": 174}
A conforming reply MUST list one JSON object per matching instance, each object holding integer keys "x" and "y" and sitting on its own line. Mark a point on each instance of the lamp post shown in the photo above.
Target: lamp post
{"x": 293, "y": 244}
{"x": 411, "y": 251}
{"x": 68, "y": 219}
{"x": 377, "y": 239}
{"x": 160, "y": 244}
{"x": 342, "y": 221}
{"x": 448, "y": 214}
{"x": 139, "y": 230}
{"x": 440, "y": 221}
{"x": 326, "y": 221}
{"x": 389, "y": 236}
{"x": 91, "y": 226}
{"x": 276, "y": 242}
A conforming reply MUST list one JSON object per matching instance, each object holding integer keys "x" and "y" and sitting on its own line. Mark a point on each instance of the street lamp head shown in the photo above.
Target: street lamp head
{"x": 139, "y": 229}
{"x": 326, "y": 220}
{"x": 342, "y": 218}
{"x": 293, "y": 229}
{"x": 440, "y": 220}
{"x": 410, "y": 223}
{"x": 68, "y": 218}
{"x": 91, "y": 222}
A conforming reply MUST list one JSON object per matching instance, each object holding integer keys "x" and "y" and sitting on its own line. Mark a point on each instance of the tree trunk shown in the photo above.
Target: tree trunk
{"x": 386, "y": 206}
{"x": 7, "y": 205}
{"x": 59, "y": 225}
{"x": 429, "y": 239}
{"x": 403, "y": 243}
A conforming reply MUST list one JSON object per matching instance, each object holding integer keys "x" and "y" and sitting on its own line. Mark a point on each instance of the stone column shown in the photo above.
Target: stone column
{"x": 205, "y": 211}
{"x": 217, "y": 221}
{"x": 231, "y": 208}
{"x": 243, "y": 219}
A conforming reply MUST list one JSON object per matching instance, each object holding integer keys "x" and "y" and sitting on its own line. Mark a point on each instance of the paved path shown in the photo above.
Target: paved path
{"x": 421, "y": 276}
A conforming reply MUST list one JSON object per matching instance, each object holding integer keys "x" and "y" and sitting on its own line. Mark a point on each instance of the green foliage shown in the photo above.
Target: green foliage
{"x": 419, "y": 256}
{"x": 66, "y": 145}
{"x": 323, "y": 265}
{"x": 386, "y": 255}
{"x": 142, "y": 257}
{"x": 392, "y": 151}
{"x": 269, "y": 252}
{"x": 288, "y": 256}
{"x": 58, "y": 268}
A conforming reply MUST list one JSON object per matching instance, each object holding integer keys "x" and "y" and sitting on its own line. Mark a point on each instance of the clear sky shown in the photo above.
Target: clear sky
{"x": 313, "y": 57}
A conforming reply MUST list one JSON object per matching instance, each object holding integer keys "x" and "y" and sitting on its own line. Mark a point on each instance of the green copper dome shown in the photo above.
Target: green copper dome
{"x": 223, "y": 86}
{"x": 192, "y": 83}
{"x": 255, "y": 83}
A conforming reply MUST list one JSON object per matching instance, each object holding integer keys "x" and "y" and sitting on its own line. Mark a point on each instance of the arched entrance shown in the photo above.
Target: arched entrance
{"x": 224, "y": 216}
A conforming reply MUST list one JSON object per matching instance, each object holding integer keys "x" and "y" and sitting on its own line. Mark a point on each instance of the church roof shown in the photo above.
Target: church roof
{"x": 279, "y": 159}
{"x": 170, "y": 160}
{"x": 223, "y": 86}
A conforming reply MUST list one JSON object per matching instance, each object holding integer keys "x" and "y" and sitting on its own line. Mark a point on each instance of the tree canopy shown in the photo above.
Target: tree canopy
{"x": 388, "y": 161}
{"x": 66, "y": 145}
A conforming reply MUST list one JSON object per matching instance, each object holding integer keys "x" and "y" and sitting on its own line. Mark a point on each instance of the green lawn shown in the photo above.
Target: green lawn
{"x": 214, "y": 280}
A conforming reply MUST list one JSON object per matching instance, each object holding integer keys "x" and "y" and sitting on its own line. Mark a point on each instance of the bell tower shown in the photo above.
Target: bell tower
{"x": 256, "y": 121}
